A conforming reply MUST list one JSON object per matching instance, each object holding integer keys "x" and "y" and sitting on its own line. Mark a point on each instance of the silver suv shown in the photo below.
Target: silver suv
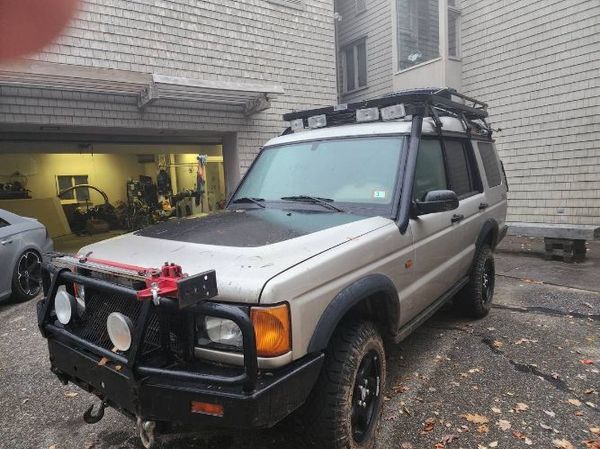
{"x": 348, "y": 231}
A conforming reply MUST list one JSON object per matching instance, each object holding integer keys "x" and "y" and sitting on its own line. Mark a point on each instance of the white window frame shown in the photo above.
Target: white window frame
{"x": 354, "y": 44}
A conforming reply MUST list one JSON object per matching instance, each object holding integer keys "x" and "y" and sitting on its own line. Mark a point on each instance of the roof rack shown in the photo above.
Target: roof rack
{"x": 429, "y": 102}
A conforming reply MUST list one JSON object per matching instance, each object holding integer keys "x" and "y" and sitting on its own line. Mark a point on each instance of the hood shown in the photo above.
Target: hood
{"x": 246, "y": 248}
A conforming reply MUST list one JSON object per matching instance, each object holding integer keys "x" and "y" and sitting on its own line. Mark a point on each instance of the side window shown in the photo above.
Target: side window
{"x": 490, "y": 164}
{"x": 458, "y": 168}
{"x": 430, "y": 173}
{"x": 461, "y": 171}
{"x": 4, "y": 223}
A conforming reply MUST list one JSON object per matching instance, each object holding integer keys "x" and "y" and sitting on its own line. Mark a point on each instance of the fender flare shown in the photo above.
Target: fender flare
{"x": 490, "y": 225}
{"x": 352, "y": 295}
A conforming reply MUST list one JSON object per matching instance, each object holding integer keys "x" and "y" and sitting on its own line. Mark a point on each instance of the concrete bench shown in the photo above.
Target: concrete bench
{"x": 561, "y": 240}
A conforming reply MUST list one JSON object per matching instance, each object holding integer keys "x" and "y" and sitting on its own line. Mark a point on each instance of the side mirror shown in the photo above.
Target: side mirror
{"x": 437, "y": 201}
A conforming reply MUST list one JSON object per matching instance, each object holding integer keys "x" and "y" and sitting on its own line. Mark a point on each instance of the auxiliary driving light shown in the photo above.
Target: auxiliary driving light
{"x": 119, "y": 329}
{"x": 64, "y": 305}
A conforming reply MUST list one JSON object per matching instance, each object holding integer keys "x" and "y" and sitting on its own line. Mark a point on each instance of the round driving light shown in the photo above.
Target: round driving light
{"x": 119, "y": 330}
{"x": 64, "y": 305}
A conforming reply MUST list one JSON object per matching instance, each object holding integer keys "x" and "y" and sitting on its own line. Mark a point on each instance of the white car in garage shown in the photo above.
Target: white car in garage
{"x": 23, "y": 243}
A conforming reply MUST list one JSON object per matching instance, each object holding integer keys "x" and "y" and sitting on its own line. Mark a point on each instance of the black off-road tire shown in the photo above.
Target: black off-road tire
{"x": 326, "y": 419}
{"x": 27, "y": 276}
{"x": 475, "y": 300}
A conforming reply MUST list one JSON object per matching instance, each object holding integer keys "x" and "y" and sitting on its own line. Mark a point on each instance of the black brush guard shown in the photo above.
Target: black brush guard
{"x": 140, "y": 388}
{"x": 56, "y": 277}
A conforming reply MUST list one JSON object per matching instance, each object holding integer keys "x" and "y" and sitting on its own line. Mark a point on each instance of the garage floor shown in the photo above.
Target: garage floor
{"x": 528, "y": 375}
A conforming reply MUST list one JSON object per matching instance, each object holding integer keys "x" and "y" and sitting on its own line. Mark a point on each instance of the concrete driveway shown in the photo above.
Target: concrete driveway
{"x": 525, "y": 376}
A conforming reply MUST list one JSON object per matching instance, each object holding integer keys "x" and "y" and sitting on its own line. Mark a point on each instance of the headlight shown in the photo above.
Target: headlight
{"x": 64, "y": 305}
{"x": 220, "y": 332}
{"x": 119, "y": 329}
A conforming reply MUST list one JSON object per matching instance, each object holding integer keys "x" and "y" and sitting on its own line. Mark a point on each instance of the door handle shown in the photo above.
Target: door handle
{"x": 457, "y": 217}
{"x": 483, "y": 206}
{"x": 6, "y": 242}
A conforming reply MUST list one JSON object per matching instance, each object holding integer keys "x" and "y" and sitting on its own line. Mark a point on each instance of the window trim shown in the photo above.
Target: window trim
{"x": 4, "y": 223}
{"x": 344, "y": 49}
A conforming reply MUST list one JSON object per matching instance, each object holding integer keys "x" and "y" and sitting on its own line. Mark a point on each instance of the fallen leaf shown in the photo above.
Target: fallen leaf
{"x": 428, "y": 426}
{"x": 562, "y": 444}
{"x": 449, "y": 438}
{"x": 521, "y": 341}
{"x": 406, "y": 446}
{"x": 483, "y": 428}
{"x": 595, "y": 430}
{"x": 399, "y": 389}
{"x": 103, "y": 361}
{"x": 118, "y": 367}
{"x": 575, "y": 402}
{"x": 550, "y": 414}
{"x": 497, "y": 344}
{"x": 504, "y": 424}
{"x": 591, "y": 404}
{"x": 592, "y": 444}
{"x": 496, "y": 410}
{"x": 52, "y": 447}
{"x": 590, "y": 391}
{"x": 587, "y": 362}
{"x": 475, "y": 418}
{"x": 493, "y": 444}
{"x": 521, "y": 407}
{"x": 71, "y": 394}
{"x": 578, "y": 413}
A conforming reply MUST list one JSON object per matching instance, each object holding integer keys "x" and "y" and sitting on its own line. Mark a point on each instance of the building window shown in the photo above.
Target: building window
{"x": 453, "y": 29}
{"x": 418, "y": 31}
{"x": 355, "y": 65}
{"x": 65, "y": 181}
{"x": 360, "y": 5}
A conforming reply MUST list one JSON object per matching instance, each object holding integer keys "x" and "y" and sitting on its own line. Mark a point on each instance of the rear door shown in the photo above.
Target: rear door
{"x": 465, "y": 180}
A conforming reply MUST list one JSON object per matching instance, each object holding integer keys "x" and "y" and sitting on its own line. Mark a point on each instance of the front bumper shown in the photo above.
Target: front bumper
{"x": 168, "y": 401}
{"x": 163, "y": 392}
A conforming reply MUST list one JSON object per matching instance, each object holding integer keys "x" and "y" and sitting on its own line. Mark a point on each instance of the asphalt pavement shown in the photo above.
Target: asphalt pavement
{"x": 528, "y": 375}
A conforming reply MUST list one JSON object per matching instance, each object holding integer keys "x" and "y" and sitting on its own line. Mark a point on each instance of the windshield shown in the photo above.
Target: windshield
{"x": 357, "y": 170}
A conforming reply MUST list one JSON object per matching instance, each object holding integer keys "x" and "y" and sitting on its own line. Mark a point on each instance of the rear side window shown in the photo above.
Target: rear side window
{"x": 4, "y": 223}
{"x": 458, "y": 168}
{"x": 490, "y": 164}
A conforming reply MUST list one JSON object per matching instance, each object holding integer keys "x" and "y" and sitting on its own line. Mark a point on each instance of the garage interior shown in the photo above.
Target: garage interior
{"x": 127, "y": 185}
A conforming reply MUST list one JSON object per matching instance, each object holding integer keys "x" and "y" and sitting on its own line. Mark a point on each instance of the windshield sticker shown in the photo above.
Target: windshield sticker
{"x": 379, "y": 194}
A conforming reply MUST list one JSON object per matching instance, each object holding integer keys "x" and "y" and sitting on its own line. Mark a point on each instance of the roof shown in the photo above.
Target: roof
{"x": 368, "y": 129}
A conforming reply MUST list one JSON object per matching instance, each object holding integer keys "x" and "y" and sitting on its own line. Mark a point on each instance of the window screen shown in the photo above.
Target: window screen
{"x": 458, "y": 168}
{"x": 490, "y": 164}
{"x": 430, "y": 173}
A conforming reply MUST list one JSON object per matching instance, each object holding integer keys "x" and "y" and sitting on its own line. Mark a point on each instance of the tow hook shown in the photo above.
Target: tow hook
{"x": 92, "y": 417}
{"x": 146, "y": 431}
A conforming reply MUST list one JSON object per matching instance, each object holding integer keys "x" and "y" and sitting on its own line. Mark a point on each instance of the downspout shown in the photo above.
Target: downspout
{"x": 336, "y": 19}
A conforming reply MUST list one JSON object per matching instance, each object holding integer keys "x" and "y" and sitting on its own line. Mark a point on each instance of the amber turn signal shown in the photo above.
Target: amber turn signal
{"x": 206, "y": 408}
{"x": 272, "y": 329}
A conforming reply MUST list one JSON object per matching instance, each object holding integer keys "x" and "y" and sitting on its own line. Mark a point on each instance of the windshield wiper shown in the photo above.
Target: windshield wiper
{"x": 325, "y": 202}
{"x": 246, "y": 199}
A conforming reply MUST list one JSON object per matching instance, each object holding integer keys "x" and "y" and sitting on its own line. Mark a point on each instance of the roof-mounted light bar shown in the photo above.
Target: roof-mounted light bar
{"x": 431, "y": 102}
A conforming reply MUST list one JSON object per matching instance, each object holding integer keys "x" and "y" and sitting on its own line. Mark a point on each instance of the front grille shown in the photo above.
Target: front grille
{"x": 98, "y": 306}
